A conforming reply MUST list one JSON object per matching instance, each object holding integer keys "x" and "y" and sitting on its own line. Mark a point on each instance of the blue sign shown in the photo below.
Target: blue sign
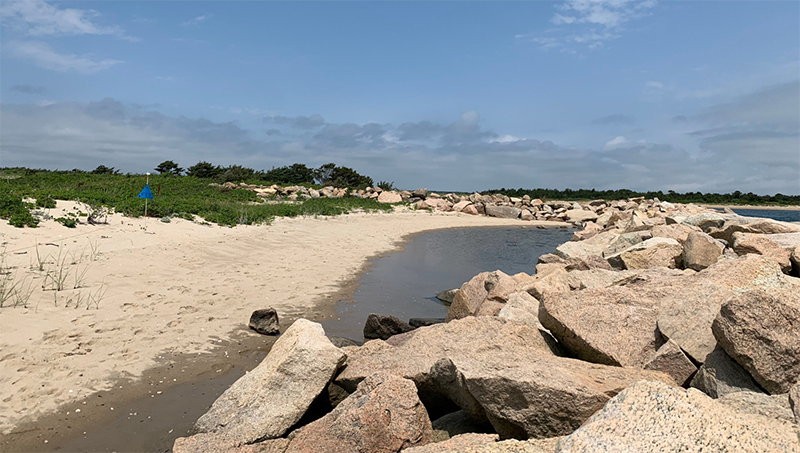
{"x": 146, "y": 192}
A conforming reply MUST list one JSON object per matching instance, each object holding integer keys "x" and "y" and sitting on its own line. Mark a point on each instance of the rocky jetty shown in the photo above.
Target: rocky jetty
{"x": 657, "y": 328}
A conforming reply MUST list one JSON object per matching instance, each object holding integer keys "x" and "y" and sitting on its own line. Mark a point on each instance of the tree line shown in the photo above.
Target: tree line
{"x": 736, "y": 197}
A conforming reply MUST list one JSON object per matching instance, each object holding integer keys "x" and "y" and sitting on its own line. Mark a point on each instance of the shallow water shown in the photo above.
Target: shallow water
{"x": 782, "y": 215}
{"x": 405, "y": 284}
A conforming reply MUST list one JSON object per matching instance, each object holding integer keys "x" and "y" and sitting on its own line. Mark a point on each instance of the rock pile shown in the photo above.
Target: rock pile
{"x": 657, "y": 328}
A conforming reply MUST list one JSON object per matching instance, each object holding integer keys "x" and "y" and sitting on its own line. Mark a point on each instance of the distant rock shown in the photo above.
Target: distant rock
{"x": 383, "y": 415}
{"x": 581, "y": 215}
{"x": 752, "y": 225}
{"x": 389, "y": 197}
{"x": 268, "y": 400}
{"x": 484, "y": 287}
{"x": 744, "y": 243}
{"x": 506, "y": 212}
{"x": 447, "y": 296}
{"x": 760, "y": 331}
{"x": 458, "y": 207}
{"x": 654, "y": 417}
{"x": 471, "y": 210}
{"x": 423, "y": 322}
{"x": 265, "y": 321}
{"x": 654, "y": 252}
{"x": 701, "y": 251}
{"x": 421, "y": 193}
{"x": 384, "y": 327}
{"x": 589, "y": 230}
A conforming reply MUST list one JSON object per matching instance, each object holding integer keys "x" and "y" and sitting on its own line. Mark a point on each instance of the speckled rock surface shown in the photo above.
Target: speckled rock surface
{"x": 486, "y": 286}
{"x": 721, "y": 375}
{"x": 761, "y": 331}
{"x": 384, "y": 415}
{"x": 654, "y": 252}
{"x": 268, "y": 400}
{"x": 472, "y": 443}
{"x": 612, "y": 326}
{"x": 671, "y": 360}
{"x": 533, "y": 397}
{"x": 219, "y": 443}
{"x": 412, "y": 354}
{"x": 653, "y": 417}
{"x": 772, "y": 406}
{"x": 700, "y": 251}
{"x": 744, "y": 243}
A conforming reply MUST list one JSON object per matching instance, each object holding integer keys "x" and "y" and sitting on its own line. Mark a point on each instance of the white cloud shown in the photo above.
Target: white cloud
{"x": 607, "y": 15}
{"x": 39, "y": 18}
{"x": 655, "y": 85}
{"x": 45, "y": 57}
{"x": 506, "y": 139}
{"x": 197, "y": 20}
{"x": 617, "y": 142}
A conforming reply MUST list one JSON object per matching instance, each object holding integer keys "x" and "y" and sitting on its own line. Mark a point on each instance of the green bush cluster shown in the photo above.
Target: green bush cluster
{"x": 17, "y": 212}
{"x": 295, "y": 174}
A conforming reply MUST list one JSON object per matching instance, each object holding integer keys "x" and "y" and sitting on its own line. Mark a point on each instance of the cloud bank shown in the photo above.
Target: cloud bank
{"x": 750, "y": 144}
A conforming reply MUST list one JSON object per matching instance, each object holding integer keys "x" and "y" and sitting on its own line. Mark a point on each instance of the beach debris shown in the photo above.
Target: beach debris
{"x": 265, "y": 321}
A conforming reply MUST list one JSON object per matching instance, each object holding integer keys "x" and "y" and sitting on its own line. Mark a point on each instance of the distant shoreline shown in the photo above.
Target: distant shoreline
{"x": 745, "y": 206}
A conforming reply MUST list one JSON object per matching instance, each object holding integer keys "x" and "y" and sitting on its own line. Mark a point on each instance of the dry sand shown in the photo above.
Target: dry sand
{"x": 177, "y": 288}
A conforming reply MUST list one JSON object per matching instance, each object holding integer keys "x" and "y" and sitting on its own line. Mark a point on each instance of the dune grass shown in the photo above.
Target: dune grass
{"x": 174, "y": 196}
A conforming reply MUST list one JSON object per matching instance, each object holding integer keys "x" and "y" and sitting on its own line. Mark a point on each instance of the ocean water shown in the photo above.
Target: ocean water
{"x": 782, "y": 215}
{"x": 404, "y": 284}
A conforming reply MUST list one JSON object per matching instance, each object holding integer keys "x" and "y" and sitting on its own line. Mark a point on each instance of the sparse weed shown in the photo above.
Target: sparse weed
{"x": 58, "y": 274}
{"x": 80, "y": 276}
{"x": 96, "y": 297}
{"x": 94, "y": 252}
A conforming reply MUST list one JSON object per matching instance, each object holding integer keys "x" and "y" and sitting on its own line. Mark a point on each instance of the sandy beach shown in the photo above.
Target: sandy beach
{"x": 177, "y": 288}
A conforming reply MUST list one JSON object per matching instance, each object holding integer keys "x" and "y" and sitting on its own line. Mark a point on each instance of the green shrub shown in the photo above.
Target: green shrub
{"x": 69, "y": 222}
{"x": 45, "y": 201}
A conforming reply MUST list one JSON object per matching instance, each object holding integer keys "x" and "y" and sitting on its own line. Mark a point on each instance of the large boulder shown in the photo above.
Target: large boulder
{"x": 700, "y": 251}
{"x": 708, "y": 220}
{"x": 484, "y": 287}
{"x": 389, "y": 197}
{"x": 525, "y": 396}
{"x": 752, "y": 225}
{"x": 654, "y": 252}
{"x": 506, "y": 212}
{"x": 412, "y": 354}
{"x": 794, "y": 402}
{"x": 689, "y": 305}
{"x": 761, "y": 331}
{"x": 458, "y": 207}
{"x": 654, "y": 417}
{"x": 384, "y": 415}
{"x": 595, "y": 245}
{"x": 744, "y": 243}
{"x": 721, "y": 375}
{"x": 613, "y": 326}
{"x": 268, "y": 400}
{"x": 786, "y": 240}
{"x": 678, "y": 232}
{"x": 383, "y": 327}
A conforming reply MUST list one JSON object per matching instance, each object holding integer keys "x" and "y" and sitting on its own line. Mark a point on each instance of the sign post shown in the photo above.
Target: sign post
{"x": 147, "y": 194}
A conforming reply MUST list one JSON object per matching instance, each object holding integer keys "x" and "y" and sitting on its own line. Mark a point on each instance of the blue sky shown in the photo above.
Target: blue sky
{"x": 685, "y": 96}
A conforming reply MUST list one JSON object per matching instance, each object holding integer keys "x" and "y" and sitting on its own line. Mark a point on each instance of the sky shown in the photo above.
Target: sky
{"x": 606, "y": 94}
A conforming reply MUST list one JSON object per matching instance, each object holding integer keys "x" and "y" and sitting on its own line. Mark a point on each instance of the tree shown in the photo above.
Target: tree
{"x": 330, "y": 174}
{"x": 169, "y": 167}
{"x": 204, "y": 169}
{"x": 294, "y": 174}
{"x": 103, "y": 170}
